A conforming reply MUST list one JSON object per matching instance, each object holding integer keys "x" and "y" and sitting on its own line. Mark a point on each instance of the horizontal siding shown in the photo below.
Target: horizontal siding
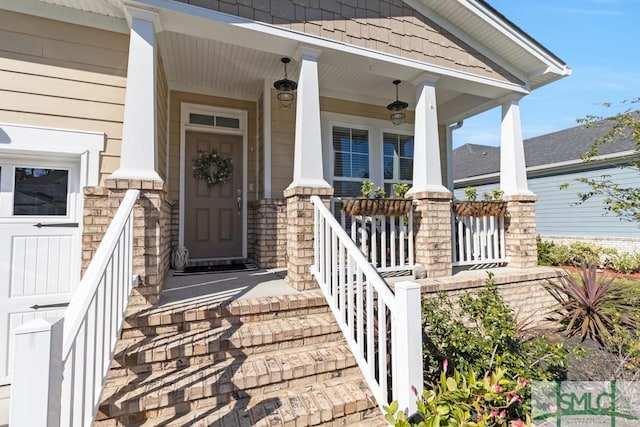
{"x": 60, "y": 75}
{"x": 557, "y": 213}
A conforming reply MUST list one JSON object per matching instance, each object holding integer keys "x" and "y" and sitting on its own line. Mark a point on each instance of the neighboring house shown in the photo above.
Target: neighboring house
{"x": 124, "y": 94}
{"x": 553, "y": 160}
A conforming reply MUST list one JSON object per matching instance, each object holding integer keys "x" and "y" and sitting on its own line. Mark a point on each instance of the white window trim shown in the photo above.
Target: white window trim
{"x": 42, "y": 141}
{"x": 375, "y": 127}
{"x": 7, "y": 187}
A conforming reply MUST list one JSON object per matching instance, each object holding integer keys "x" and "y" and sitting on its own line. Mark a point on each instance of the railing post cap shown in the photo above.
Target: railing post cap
{"x": 37, "y": 325}
{"x": 408, "y": 285}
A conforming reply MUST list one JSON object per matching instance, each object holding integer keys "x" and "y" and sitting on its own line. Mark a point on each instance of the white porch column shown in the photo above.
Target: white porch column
{"x": 307, "y": 166}
{"x": 138, "y": 157}
{"x": 427, "y": 174}
{"x": 513, "y": 173}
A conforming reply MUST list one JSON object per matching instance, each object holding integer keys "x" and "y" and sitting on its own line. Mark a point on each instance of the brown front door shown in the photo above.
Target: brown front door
{"x": 213, "y": 214}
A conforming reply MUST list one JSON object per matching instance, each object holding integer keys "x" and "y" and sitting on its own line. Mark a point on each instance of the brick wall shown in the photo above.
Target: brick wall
{"x": 267, "y": 233}
{"x": 151, "y": 236}
{"x": 522, "y": 289}
{"x": 300, "y": 241}
{"x": 432, "y": 229}
{"x": 520, "y": 234}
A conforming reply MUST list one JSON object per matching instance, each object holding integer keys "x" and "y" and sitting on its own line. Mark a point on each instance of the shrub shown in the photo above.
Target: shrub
{"x": 594, "y": 305}
{"x": 625, "y": 263}
{"x": 482, "y": 335}
{"x": 544, "y": 251}
{"x": 464, "y": 400}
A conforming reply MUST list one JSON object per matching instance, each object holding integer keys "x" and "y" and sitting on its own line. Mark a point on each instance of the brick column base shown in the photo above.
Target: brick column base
{"x": 300, "y": 235}
{"x": 432, "y": 229}
{"x": 520, "y": 235}
{"x": 268, "y": 233}
{"x": 151, "y": 231}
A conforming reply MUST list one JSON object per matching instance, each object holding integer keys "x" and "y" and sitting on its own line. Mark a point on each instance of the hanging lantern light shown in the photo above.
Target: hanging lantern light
{"x": 397, "y": 108}
{"x": 285, "y": 87}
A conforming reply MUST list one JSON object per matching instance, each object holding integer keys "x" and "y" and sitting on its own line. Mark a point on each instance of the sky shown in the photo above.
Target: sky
{"x": 598, "y": 39}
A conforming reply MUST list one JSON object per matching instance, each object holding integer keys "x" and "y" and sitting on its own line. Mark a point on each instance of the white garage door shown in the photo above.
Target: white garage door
{"x": 40, "y": 239}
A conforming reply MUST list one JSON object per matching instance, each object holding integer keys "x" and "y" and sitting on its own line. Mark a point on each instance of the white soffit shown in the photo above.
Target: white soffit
{"x": 490, "y": 33}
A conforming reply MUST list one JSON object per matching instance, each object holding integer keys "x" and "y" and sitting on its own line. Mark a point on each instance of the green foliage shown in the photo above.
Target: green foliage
{"x": 594, "y": 305}
{"x": 367, "y": 188}
{"x": 463, "y": 399}
{"x": 544, "y": 251}
{"x": 400, "y": 189}
{"x": 625, "y": 263}
{"x": 379, "y": 193}
{"x": 471, "y": 194}
{"x": 578, "y": 254}
{"x": 497, "y": 194}
{"x": 622, "y": 201}
{"x": 481, "y": 334}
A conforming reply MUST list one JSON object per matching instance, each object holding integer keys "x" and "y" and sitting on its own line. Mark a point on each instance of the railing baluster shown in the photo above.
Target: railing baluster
{"x": 360, "y": 313}
{"x": 370, "y": 319}
{"x": 374, "y": 241}
{"x": 393, "y": 241}
{"x": 478, "y": 240}
{"x": 411, "y": 241}
{"x": 350, "y": 303}
{"x": 383, "y": 241}
{"x": 401, "y": 242}
{"x": 382, "y": 347}
{"x": 334, "y": 269}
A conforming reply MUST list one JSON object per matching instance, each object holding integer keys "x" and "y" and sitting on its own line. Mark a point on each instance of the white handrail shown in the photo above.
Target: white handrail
{"x": 94, "y": 318}
{"x": 375, "y": 322}
{"x": 79, "y": 304}
{"x": 62, "y": 365}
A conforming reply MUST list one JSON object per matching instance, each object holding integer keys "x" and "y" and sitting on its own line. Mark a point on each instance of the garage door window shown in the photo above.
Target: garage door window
{"x": 40, "y": 191}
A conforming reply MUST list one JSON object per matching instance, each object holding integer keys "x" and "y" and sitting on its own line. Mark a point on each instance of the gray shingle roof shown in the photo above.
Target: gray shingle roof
{"x": 569, "y": 144}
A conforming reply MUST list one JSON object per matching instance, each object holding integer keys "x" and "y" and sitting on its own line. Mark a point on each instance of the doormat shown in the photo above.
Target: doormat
{"x": 209, "y": 269}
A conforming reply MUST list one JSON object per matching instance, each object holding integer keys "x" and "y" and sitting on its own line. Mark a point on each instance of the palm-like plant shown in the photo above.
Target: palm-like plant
{"x": 592, "y": 306}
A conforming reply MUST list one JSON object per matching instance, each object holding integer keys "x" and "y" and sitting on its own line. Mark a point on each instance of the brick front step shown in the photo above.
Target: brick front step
{"x": 229, "y": 379}
{"x": 198, "y": 316}
{"x": 178, "y": 350}
{"x": 340, "y": 401}
{"x": 262, "y": 361}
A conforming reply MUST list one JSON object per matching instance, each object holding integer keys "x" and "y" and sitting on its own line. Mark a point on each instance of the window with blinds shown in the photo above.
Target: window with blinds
{"x": 397, "y": 159}
{"x": 351, "y": 160}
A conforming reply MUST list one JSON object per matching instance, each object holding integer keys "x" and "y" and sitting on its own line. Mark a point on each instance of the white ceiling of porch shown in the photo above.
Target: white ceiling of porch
{"x": 212, "y": 66}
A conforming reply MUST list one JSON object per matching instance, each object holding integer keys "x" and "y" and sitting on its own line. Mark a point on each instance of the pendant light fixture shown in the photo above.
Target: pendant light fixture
{"x": 397, "y": 108}
{"x": 285, "y": 87}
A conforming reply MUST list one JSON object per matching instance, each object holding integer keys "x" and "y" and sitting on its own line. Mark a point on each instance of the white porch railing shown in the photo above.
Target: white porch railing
{"x": 387, "y": 241}
{"x": 383, "y": 329}
{"x": 478, "y": 240}
{"x": 60, "y": 367}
